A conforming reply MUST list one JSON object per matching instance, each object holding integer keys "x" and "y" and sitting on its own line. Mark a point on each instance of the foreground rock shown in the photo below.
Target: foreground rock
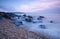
{"x": 10, "y": 31}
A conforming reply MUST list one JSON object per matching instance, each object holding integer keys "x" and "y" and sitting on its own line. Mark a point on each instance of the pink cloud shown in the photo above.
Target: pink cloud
{"x": 33, "y": 6}
{"x": 39, "y": 5}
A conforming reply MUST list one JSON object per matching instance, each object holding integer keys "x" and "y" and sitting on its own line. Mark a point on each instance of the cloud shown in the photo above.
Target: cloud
{"x": 29, "y": 5}
{"x": 39, "y": 5}
{"x": 7, "y": 8}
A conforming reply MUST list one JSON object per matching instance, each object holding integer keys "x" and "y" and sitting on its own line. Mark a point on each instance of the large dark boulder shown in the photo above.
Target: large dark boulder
{"x": 29, "y": 19}
{"x": 42, "y": 26}
{"x": 40, "y": 17}
{"x": 6, "y": 15}
{"x": 51, "y": 21}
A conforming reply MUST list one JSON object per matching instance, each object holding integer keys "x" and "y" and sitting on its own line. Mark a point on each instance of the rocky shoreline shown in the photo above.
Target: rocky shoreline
{"x": 11, "y": 31}
{"x": 16, "y": 29}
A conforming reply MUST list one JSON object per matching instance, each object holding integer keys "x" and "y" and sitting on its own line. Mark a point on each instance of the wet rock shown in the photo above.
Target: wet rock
{"x": 40, "y": 17}
{"x": 51, "y": 21}
{"x": 29, "y": 19}
{"x": 7, "y": 15}
{"x": 42, "y": 26}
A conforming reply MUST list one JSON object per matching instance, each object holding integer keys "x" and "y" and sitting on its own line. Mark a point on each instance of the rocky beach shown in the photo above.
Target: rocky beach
{"x": 24, "y": 27}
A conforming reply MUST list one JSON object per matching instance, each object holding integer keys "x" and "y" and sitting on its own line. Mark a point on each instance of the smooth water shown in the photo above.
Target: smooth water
{"x": 51, "y": 29}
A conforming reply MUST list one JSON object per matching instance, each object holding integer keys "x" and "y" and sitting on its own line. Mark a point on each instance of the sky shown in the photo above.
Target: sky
{"x": 47, "y": 6}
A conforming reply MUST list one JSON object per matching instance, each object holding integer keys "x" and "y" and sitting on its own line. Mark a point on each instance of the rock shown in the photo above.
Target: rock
{"x": 29, "y": 19}
{"x": 18, "y": 23}
{"x": 42, "y": 26}
{"x": 51, "y": 21}
{"x": 40, "y": 17}
{"x": 6, "y": 15}
{"x": 11, "y": 31}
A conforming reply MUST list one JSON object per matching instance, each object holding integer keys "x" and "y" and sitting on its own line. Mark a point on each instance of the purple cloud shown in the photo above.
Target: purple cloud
{"x": 39, "y": 5}
{"x": 32, "y": 6}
